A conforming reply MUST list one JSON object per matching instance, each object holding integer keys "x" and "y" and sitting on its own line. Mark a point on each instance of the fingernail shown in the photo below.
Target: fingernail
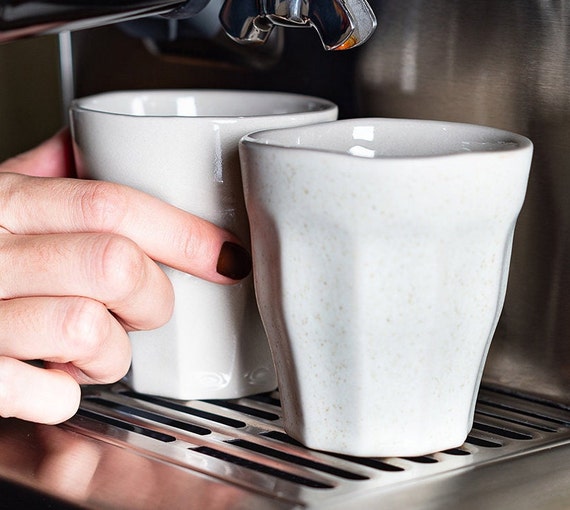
{"x": 234, "y": 261}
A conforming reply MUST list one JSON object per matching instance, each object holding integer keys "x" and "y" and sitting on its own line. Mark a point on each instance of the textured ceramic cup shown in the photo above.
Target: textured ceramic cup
{"x": 182, "y": 147}
{"x": 381, "y": 249}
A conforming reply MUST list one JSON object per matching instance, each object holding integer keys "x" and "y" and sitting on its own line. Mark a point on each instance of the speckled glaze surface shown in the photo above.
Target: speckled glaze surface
{"x": 182, "y": 146}
{"x": 381, "y": 252}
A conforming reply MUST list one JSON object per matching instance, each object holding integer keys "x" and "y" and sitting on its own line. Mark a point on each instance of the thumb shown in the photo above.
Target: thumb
{"x": 52, "y": 158}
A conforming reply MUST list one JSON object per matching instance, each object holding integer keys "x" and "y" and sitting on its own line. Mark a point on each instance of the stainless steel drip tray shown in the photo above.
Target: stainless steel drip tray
{"x": 126, "y": 450}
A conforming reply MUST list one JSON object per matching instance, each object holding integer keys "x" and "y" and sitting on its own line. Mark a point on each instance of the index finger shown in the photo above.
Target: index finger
{"x": 34, "y": 205}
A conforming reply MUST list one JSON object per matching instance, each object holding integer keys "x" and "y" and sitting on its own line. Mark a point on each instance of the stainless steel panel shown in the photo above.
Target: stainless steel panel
{"x": 126, "y": 450}
{"x": 504, "y": 64}
{"x": 23, "y": 19}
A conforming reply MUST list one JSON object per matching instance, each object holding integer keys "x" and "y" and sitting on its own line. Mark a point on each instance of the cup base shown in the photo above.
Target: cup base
{"x": 369, "y": 446}
{"x": 251, "y": 384}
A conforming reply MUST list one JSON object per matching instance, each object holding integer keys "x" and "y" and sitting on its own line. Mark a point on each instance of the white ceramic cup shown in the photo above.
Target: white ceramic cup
{"x": 381, "y": 249}
{"x": 182, "y": 147}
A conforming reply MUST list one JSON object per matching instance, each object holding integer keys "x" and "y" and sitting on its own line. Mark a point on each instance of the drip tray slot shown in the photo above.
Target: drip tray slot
{"x": 241, "y": 443}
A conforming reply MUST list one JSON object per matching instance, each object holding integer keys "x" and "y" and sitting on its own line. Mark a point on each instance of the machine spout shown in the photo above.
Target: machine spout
{"x": 341, "y": 24}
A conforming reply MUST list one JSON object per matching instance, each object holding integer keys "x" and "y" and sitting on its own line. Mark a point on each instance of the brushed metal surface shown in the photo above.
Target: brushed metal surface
{"x": 20, "y": 19}
{"x": 507, "y": 65}
{"x": 125, "y": 450}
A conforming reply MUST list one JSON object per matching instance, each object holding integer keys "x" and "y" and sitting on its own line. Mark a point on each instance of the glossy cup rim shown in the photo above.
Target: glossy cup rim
{"x": 497, "y": 140}
{"x": 299, "y": 104}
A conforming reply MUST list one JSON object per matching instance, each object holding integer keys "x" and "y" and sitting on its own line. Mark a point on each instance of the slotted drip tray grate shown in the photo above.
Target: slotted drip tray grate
{"x": 242, "y": 443}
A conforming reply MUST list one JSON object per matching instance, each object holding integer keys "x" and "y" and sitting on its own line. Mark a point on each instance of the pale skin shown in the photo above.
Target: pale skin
{"x": 79, "y": 272}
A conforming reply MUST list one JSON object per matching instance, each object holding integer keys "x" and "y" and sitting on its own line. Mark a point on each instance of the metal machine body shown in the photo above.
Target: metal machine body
{"x": 503, "y": 64}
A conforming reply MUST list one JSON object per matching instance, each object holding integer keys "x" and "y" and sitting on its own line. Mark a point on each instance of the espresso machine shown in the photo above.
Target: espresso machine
{"x": 501, "y": 63}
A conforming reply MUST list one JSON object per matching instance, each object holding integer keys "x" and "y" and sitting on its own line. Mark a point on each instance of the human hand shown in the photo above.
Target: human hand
{"x": 79, "y": 272}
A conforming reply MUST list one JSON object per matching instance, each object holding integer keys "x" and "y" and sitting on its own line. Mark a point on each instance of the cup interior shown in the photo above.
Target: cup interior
{"x": 201, "y": 103}
{"x": 397, "y": 138}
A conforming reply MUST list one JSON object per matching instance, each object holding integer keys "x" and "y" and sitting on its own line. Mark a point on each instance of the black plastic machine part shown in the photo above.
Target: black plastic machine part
{"x": 26, "y": 14}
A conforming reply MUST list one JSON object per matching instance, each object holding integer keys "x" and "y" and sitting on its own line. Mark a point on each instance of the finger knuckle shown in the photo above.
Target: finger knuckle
{"x": 84, "y": 324}
{"x": 13, "y": 199}
{"x": 115, "y": 372}
{"x": 122, "y": 266}
{"x": 102, "y": 206}
{"x": 89, "y": 331}
{"x": 7, "y": 259}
